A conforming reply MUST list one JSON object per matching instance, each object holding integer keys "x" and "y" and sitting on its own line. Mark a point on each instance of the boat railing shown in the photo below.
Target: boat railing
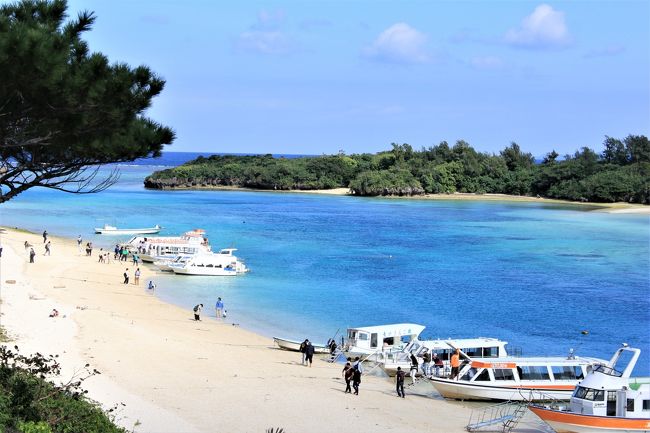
{"x": 505, "y": 416}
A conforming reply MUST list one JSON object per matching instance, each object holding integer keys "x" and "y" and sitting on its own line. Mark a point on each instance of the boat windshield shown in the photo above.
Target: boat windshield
{"x": 589, "y": 394}
{"x": 608, "y": 371}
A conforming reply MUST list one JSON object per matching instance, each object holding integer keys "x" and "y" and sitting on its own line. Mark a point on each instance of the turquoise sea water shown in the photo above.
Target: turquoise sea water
{"x": 533, "y": 274}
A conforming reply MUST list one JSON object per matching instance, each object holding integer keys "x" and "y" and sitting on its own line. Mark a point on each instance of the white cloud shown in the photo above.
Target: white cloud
{"x": 269, "y": 19}
{"x": 544, "y": 28}
{"x": 265, "y": 36}
{"x": 486, "y": 62}
{"x": 400, "y": 43}
{"x": 274, "y": 42}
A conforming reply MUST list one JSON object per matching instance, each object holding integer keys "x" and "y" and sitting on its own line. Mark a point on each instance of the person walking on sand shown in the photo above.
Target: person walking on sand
{"x": 455, "y": 363}
{"x": 309, "y": 353}
{"x": 347, "y": 375}
{"x": 136, "y": 277}
{"x": 135, "y": 259}
{"x": 302, "y": 348}
{"x": 356, "y": 376}
{"x": 47, "y": 249}
{"x": 44, "y": 236}
{"x": 32, "y": 254}
{"x": 414, "y": 368}
{"x": 399, "y": 377}
{"x": 219, "y": 307}
{"x": 197, "y": 312}
{"x": 126, "y": 276}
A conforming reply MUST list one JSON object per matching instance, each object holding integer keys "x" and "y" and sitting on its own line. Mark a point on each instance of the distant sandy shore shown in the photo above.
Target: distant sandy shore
{"x": 177, "y": 375}
{"x": 598, "y": 207}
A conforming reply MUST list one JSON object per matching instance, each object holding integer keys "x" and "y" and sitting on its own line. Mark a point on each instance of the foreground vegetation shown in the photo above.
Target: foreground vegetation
{"x": 30, "y": 403}
{"x": 620, "y": 173}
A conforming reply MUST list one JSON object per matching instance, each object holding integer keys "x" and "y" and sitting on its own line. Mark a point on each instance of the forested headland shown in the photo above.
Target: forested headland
{"x": 621, "y": 172}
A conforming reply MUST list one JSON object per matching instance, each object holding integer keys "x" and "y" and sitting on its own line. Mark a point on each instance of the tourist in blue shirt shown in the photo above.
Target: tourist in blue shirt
{"x": 219, "y": 308}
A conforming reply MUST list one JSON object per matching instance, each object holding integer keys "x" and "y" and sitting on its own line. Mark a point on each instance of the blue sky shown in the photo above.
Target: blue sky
{"x": 316, "y": 77}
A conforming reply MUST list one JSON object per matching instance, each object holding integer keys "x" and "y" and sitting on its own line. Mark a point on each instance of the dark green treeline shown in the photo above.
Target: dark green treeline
{"x": 620, "y": 173}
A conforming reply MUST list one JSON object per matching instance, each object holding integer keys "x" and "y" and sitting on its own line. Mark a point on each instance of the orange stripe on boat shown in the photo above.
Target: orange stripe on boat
{"x": 591, "y": 420}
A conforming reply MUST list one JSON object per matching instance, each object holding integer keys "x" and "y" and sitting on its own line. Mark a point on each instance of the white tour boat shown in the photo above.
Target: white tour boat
{"x": 383, "y": 338}
{"x": 151, "y": 249}
{"x": 294, "y": 346}
{"x": 112, "y": 230}
{"x": 521, "y": 379}
{"x": 481, "y": 347}
{"x": 221, "y": 263}
{"x": 606, "y": 401}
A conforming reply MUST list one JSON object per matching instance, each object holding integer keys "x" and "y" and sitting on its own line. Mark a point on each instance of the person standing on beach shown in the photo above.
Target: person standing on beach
{"x": 399, "y": 377}
{"x": 135, "y": 259}
{"x": 47, "y": 249}
{"x": 348, "y": 374}
{"x": 303, "y": 346}
{"x": 32, "y": 254}
{"x": 44, "y": 236}
{"x": 356, "y": 376}
{"x": 79, "y": 242}
{"x": 126, "y": 276}
{"x": 309, "y": 353}
{"x": 197, "y": 312}
{"x": 455, "y": 363}
{"x": 136, "y": 277}
{"x": 219, "y": 307}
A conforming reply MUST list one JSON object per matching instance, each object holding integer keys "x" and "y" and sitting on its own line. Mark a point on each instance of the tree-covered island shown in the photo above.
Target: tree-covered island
{"x": 620, "y": 173}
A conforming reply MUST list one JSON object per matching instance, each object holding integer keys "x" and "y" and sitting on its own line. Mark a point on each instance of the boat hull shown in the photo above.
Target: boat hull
{"x": 210, "y": 272}
{"x": 294, "y": 346}
{"x": 530, "y": 392}
{"x": 568, "y": 422}
{"x": 151, "y": 231}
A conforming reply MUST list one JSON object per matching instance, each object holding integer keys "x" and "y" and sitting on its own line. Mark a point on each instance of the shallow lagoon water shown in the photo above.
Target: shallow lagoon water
{"x": 533, "y": 274}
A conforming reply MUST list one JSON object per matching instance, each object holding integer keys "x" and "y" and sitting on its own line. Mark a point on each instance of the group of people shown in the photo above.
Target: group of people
{"x": 352, "y": 372}
{"x": 431, "y": 364}
{"x": 219, "y": 308}
{"x": 136, "y": 276}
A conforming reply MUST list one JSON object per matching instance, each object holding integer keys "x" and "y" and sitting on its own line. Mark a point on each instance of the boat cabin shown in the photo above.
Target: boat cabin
{"x": 382, "y": 338}
{"x": 481, "y": 347}
{"x": 610, "y": 392}
{"x": 525, "y": 371}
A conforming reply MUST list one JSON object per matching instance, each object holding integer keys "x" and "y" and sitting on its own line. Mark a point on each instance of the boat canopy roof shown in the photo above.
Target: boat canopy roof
{"x": 392, "y": 330}
{"x": 512, "y": 362}
{"x": 449, "y": 343}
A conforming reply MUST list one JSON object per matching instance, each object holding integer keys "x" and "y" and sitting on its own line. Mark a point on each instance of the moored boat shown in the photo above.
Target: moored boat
{"x": 112, "y": 230}
{"x": 606, "y": 401}
{"x": 294, "y": 346}
{"x": 370, "y": 340}
{"x": 519, "y": 379}
{"x": 151, "y": 249}
{"x": 221, "y": 263}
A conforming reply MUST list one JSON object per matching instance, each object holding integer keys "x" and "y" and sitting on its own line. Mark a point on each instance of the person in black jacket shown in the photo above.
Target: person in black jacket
{"x": 400, "y": 381}
{"x": 303, "y": 347}
{"x": 309, "y": 353}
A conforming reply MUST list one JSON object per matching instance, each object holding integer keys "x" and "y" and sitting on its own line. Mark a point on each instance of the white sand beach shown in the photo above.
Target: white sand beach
{"x": 177, "y": 375}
